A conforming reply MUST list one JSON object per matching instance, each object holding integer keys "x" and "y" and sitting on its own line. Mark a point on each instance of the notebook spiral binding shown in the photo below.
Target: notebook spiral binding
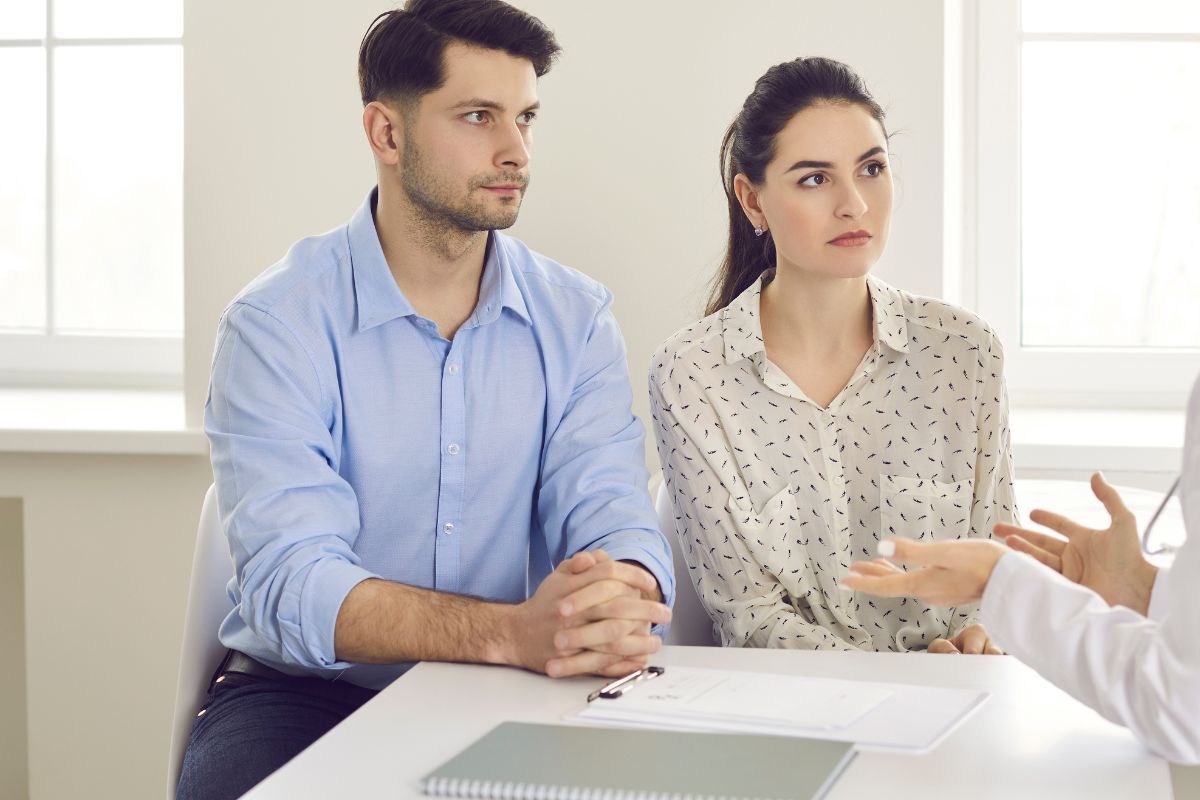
{"x": 509, "y": 790}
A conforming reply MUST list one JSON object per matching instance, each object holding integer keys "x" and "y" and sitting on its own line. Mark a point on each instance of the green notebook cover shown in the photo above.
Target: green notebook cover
{"x": 517, "y": 760}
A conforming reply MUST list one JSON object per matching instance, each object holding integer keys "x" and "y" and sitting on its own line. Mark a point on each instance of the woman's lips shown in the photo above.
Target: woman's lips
{"x": 852, "y": 239}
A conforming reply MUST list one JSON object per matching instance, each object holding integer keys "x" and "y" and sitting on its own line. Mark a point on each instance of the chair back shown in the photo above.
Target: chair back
{"x": 207, "y": 606}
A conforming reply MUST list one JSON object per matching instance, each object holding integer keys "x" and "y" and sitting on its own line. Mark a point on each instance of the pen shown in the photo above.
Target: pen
{"x": 613, "y": 690}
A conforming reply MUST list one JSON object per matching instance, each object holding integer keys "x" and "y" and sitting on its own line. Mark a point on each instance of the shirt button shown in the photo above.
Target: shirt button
{"x": 452, "y": 369}
{"x": 448, "y": 528}
{"x": 452, "y": 449}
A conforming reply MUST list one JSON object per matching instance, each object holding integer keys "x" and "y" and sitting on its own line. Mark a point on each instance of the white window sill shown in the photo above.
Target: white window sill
{"x": 117, "y": 421}
{"x": 1113, "y": 440}
{"x": 146, "y": 421}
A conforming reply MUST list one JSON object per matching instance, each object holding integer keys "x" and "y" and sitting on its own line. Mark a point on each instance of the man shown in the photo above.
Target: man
{"x": 414, "y": 418}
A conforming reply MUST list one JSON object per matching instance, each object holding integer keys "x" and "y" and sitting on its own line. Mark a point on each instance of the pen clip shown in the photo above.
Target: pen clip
{"x": 612, "y": 691}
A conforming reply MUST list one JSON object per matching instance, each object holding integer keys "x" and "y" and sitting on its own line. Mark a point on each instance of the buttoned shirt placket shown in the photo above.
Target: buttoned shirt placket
{"x": 452, "y": 478}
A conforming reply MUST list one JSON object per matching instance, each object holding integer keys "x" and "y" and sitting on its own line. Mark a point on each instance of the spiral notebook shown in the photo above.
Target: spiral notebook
{"x": 522, "y": 760}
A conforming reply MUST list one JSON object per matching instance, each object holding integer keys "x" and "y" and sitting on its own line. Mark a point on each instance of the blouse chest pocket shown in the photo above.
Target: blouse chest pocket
{"x": 925, "y": 509}
{"x": 766, "y": 532}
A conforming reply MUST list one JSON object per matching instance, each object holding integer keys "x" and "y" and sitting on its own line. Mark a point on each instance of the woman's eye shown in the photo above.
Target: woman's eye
{"x": 528, "y": 117}
{"x": 874, "y": 169}
{"x": 476, "y": 116}
{"x": 816, "y": 179}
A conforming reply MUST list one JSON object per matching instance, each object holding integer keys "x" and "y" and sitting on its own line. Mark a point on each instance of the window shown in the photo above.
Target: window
{"x": 91, "y": 204}
{"x": 1088, "y": 199}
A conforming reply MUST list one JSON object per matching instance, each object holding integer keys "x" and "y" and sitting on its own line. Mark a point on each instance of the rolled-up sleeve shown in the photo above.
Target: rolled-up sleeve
{"x": 593, "y": 492}
{"x": 291, "y": 519}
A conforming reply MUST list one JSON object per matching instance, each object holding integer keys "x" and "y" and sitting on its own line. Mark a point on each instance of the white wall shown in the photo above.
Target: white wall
{"x": 625, "y": 188}
{"x": 273, "y": 147}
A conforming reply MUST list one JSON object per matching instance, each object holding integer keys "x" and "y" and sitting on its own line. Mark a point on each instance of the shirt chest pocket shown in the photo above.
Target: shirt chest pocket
{"x": 771, "y": 535}
{"x": 925, "y": 509}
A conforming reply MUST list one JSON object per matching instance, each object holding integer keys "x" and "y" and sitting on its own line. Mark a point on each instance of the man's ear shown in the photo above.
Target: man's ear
{"x": 385, "y": 131}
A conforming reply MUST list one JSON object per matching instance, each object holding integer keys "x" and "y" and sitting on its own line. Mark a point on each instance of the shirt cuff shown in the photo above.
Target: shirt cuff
{"x": 308, "y": 617}
{"x": 1157, "y": 610}
{"x": 992, "y": 612}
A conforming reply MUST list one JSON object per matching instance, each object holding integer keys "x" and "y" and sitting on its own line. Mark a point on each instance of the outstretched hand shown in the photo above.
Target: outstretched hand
{"x": 950, "y": 574}
{"x": 1108, "y": 561}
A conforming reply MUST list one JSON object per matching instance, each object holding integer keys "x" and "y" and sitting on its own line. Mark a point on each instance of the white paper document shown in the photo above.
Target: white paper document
{"x": 873, "y": 715}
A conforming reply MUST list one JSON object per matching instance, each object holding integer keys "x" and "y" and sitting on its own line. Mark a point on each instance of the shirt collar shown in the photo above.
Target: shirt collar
{"x": 498, "y": 287}
{"x": 887, "y": 314}
{"x": 742, "y": 326}
{"x": 380, "y": 300}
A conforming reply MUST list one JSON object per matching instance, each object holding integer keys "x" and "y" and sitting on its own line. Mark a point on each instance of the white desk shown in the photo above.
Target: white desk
{"x": 1029, "y": 740}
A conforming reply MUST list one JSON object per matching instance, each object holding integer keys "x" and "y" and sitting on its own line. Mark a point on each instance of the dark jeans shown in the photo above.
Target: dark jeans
{"x": 252, "y": 726}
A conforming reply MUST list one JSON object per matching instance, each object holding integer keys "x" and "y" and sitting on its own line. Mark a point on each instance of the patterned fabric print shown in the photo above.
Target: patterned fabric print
{"x": 774, "y": 496}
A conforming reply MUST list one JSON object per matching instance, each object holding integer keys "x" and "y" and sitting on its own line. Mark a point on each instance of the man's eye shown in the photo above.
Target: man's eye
{"x": 528, "y": 117}
{"x": 476, "y": 116}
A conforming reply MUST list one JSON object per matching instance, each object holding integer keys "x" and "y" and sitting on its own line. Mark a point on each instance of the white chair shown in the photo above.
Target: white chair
{"x": 208, "y": 605}
{"x": 690, "y": 624}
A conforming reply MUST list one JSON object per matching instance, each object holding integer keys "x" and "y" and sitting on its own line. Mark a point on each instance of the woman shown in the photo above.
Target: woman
{"x": 816, "y": 408}
{"x": 1105, "y": 625}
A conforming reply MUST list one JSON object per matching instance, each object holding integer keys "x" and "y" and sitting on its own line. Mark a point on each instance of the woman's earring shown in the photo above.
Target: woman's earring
{"x": 758, "y": 230}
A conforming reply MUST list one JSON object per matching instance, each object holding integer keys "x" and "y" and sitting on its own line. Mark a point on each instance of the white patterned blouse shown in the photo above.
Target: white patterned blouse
{"x": 774, "y": 496}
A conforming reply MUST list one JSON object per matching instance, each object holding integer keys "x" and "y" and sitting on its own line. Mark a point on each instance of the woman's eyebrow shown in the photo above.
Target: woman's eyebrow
{"x": 809, "y": 165}
{"x": 874, "y": 151}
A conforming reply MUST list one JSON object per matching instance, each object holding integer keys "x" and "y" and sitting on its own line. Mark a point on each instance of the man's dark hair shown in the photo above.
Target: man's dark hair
{"x": 400, "y": 58}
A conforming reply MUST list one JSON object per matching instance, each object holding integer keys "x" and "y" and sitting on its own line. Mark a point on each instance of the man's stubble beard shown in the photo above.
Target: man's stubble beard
{"x": 435, "y": 197}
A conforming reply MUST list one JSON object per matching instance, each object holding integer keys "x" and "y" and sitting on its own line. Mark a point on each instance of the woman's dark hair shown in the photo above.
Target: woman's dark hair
{"x": 749, "y": 145}
{"x": 400, "y": 58}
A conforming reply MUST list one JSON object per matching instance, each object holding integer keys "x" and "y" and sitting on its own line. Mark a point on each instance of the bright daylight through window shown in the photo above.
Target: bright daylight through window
{"x": 91, "y": 219}
{"x": 1110, "y": 188}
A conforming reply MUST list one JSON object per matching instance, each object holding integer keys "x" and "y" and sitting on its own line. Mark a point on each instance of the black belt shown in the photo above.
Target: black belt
{"x": 243, "y": 664}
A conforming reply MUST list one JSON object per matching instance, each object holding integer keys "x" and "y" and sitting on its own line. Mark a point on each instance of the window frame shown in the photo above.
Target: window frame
{"x": 53, "y": 358}
{"x": 1112, "y": 377}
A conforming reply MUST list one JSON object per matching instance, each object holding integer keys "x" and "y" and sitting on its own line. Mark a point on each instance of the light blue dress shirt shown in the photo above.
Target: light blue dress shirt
{"x": 350, "y": 440}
